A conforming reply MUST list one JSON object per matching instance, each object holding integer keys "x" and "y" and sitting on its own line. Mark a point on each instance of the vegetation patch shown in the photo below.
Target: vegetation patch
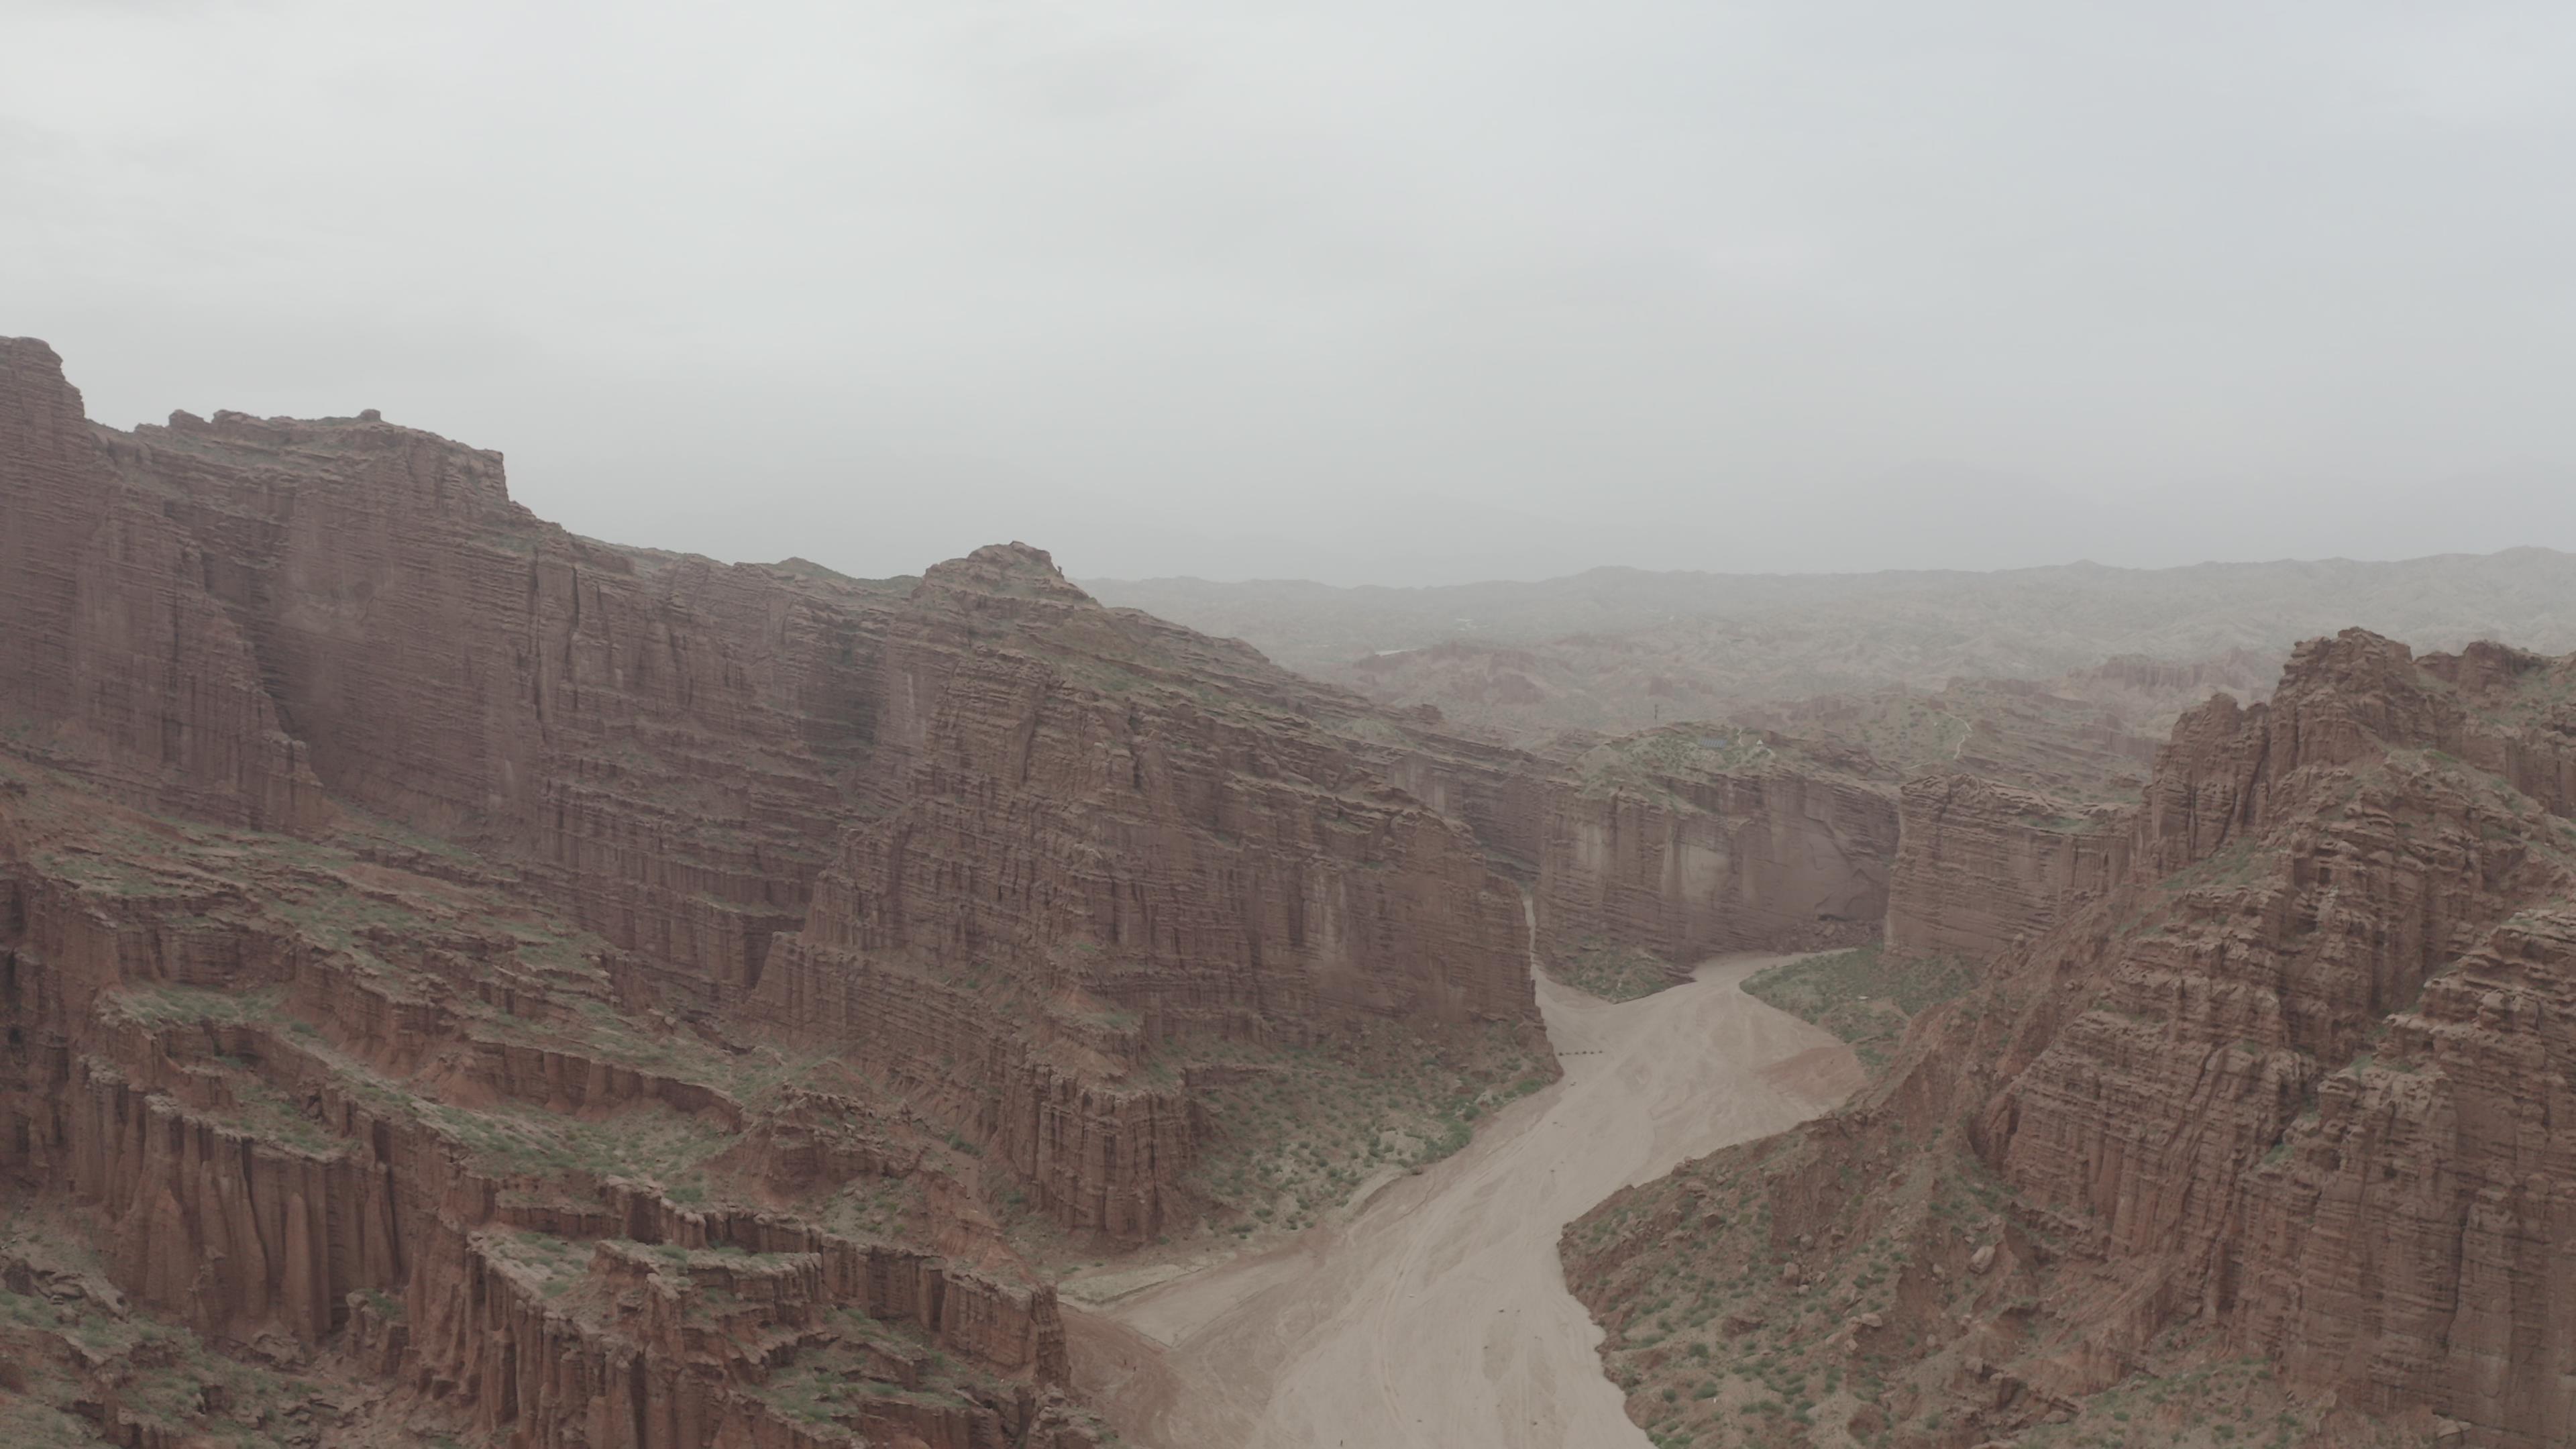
{"x": 1863, "y": 996}
{"x": 1611, "y": 972}
{"x": 1297, "y": 1132}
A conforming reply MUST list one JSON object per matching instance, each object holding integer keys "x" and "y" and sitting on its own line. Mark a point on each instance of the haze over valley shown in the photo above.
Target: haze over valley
{"x": 790, "y": 726}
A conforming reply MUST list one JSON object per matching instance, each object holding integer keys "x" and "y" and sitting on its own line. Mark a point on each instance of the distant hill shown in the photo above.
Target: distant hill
{"x": 1617, "y": 649}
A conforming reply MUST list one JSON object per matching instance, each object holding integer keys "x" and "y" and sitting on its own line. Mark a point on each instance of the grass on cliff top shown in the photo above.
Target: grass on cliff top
{"x": 1643, "y": 763}
{"x": 1909, "y": 731}
{"x": 648, "y": 1143}
{"x": 1862, "y": 995}
{"x": 1611, "y": 972}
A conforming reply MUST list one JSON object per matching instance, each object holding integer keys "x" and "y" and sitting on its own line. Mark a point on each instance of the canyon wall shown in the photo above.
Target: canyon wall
{"x": 2273, "y": 1063}
{"x": 620, "y": 998}
{"x": 1702, "y": 840}
{"x": 1779, "y": 827}
{"x": 665, "y": 741}
{"x": 115, "y": 661}
{"x": 2344, "y": 886}
{"x": 330, "y": 1151}
{"x": 1981, "y": 866}
{"x": 1129, "y": 858}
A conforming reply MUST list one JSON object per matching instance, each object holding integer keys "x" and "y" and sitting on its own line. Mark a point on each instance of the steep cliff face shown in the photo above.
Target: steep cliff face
{"x": 2348, "y": 868}
{"x": 1982, "y": 866}
{"x": 1704, "y": 838}
{"x": 408, "y": 1127}
{"x": 1779, "y": 827}
{"x": 2278, "y": 1076}
{"x": 432, "y": 1032}
{"x": 665, "y": 740}
{"x": 115, "y": 661}
{"x": 2014, "y": 801}
{"x": 1128, "y": 850}
{"x": 1501, "y": 794}
{"x": 2411, "y": 1244}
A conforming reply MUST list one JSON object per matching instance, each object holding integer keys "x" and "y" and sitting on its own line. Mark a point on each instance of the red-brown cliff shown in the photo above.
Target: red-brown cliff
{"x": 1704, "y": 838}
{"x": 1981, "y": 866}
{"x": 1104, "y": 835}
{"x": 115, "y": 661}
{"x": 2281, "y": 1075}
{"x": 665, "y": 740}
{"x": 431, "y": 1030}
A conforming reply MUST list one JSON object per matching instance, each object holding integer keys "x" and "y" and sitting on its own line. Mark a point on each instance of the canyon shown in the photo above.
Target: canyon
{"x": 1435, "y": 1314}
{"x": 467, "y": 983}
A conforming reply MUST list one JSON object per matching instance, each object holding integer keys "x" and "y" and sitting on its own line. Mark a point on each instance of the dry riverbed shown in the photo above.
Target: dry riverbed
{"x": 1436, "y": 1315}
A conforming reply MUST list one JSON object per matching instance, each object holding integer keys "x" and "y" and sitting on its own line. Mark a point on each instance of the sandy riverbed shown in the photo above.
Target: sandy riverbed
{"x": 1437, "y": 1316}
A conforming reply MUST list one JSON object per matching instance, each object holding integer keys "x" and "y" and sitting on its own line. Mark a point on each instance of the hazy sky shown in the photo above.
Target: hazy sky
{"x": 1386, "y": 291}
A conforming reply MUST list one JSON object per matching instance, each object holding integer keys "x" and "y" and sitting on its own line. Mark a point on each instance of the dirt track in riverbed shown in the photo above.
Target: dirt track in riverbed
{"x": 1437, "y": 1317}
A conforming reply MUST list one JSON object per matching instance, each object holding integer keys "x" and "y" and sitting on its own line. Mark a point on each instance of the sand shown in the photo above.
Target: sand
{"x": 1437, "y": 1317}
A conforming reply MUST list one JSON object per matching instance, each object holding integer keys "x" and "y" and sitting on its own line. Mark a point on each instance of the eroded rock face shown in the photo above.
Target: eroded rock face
{"x": 2277, "y": 1066}
{"x": 617, "y": 997}
{"x": 2319, "y": 877}
{"x": 2411, "y": 1246}
{"x": 1705, "y": 839}
{"x": 667, "y": 740}
{"x": 1981, "y": 867}
{"x": 115, "y": 660}
{"x": 1092, "y": 828}
{"x": 335, "y": 1109}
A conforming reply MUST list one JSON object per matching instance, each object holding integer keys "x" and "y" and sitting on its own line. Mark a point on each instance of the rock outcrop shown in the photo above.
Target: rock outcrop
{"x": 115, "y": 661}
{"x": 618, "y": 999}
{"x": 1982, "y": 866}
{"x": 666, "y": 742}
{"x": 1779, "y": 828}
{"x": 316, "y": 1104}
{"x": 2275, "y": 1064}
{"x": 1093, "y": 828}
{"x": 1702, "y": 839}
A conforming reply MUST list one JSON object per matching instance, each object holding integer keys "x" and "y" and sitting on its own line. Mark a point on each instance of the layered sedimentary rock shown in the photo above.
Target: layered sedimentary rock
{"x": 1702, "y": 839}
{"x": 333, "y": 1108}
{"x": 1980, "y": 866}
{"x": 2284, "y": 1074}
{"x": 666, "y": 739}
{"x": 1500, "y": 793}
{"x": 432, "y": 1030}
{"x": 2334, "y": 869}
{"x": 2411, "y": 1245}
{"x": 2012, "y": 793}
{"x": 114, "y": 659}
{"x": 1779, "y": 827}
{"x": 1097, "y": 832}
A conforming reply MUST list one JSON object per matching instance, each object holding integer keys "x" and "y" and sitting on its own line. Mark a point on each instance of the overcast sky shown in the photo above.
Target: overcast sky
{"x": 1385, "y": 291}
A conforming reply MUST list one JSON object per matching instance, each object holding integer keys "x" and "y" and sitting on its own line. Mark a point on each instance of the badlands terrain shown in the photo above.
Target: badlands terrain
{"x": 468, "y": 984}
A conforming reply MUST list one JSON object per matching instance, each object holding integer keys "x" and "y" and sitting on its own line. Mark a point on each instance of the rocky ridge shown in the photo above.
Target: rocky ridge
{"x": 1130, "y": 867}
{"x": 2247, "y": 1130}
{"x": 621, "y": 999}
{"x": 338, "y": 1115}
